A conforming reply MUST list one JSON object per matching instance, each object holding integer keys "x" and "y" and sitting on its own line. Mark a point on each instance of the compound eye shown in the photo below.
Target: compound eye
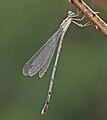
{"x": 70, "y": 13}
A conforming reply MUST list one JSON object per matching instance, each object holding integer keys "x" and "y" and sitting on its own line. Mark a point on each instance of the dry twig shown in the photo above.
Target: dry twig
{"x": 91, "y": 15}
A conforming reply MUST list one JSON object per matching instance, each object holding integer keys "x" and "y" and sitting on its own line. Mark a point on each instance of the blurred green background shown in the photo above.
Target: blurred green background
{"x": 80, "y": 91}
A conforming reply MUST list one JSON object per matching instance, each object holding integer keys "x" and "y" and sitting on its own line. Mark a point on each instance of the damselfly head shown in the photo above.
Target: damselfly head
{"x": 70, "y": 13}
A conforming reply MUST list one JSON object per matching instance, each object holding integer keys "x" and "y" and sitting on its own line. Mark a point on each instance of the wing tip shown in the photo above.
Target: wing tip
{"x": 24, "y": 73}
{"x": 40, "y": 74}
{"x": 31, "y": 73}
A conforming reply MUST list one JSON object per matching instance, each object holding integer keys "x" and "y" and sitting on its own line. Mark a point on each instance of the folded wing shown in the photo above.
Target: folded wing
{"x": 41, "y": 59}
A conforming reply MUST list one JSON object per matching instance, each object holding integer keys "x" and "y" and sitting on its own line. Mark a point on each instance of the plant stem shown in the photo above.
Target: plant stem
{"x": 91, "y": 15}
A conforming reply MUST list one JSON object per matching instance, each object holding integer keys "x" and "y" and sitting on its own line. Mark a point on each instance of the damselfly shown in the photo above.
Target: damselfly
{"x": 40, "y": 61}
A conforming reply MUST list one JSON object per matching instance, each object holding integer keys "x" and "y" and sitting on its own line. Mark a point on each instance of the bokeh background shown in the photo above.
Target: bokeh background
{"x": 80, "y": 90}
